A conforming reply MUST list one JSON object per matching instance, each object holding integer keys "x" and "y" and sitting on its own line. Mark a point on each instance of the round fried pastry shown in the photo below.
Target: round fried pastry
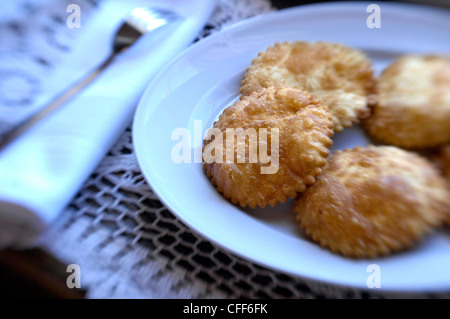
{"x": 304, "y": 130}
{"x": 373, "y": 201}
{"x": 342, "y": 77}
{"x": 412, "y": 108}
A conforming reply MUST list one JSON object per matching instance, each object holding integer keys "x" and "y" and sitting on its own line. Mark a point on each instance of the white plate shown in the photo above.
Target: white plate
{"x": 203, "y": 80}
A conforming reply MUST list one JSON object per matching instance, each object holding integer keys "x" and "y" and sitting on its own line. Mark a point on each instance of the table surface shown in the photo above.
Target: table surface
{"x": 129, "y": 245}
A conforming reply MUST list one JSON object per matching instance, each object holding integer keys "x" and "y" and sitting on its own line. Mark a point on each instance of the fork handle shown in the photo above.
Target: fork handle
{"x": 18, "y": 129}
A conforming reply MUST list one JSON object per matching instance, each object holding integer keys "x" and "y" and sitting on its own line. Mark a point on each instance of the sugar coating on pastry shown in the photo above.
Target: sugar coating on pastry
{"x": 342, "y": 77}
{"x": 304, "y": 131}
{"x": 373, "y": 201}
{"x": 412, "y": 108}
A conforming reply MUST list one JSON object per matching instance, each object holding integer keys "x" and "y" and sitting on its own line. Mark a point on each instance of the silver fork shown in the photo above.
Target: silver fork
{"x": 139, "y": 22}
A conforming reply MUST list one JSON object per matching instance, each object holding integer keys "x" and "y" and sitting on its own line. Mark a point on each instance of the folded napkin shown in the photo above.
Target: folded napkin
{"x": 42, "y": 171}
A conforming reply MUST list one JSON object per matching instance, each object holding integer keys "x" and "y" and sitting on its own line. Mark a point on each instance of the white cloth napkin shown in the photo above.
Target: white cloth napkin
{"x": 42, "y": 171}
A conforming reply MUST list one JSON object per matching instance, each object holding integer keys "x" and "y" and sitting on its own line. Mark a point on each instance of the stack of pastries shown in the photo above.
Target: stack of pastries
{"x": 364, "y": 202}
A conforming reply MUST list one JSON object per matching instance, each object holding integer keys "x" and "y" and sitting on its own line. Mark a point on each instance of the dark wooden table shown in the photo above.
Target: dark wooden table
{"x": 34, "y": 273}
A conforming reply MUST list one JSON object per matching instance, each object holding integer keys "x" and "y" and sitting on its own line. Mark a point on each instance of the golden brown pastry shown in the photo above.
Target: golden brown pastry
{"x": 297, "y": 152}
{"x": 373, "y": 201}
{"x": 413, "y": 103}
{"x": 340, "y": 76}
{"x": 442, "y": 160}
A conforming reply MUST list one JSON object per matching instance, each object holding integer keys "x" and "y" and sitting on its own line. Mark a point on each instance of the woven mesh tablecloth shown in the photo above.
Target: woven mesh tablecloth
{"x": 127, "y": 244}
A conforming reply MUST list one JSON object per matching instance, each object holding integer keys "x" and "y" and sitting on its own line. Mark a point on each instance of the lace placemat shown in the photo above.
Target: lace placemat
{"x": 34, "y": 41}
{"x": 127, "y": 244}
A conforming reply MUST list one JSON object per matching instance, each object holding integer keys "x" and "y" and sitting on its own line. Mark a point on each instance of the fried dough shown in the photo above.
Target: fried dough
{"x": 442, "y": 160}
{"x": 340, "y": 76}
{"x": 304, "y": 135}
{"x": 412, "y": 108}
{"x": 373, "y": 201}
